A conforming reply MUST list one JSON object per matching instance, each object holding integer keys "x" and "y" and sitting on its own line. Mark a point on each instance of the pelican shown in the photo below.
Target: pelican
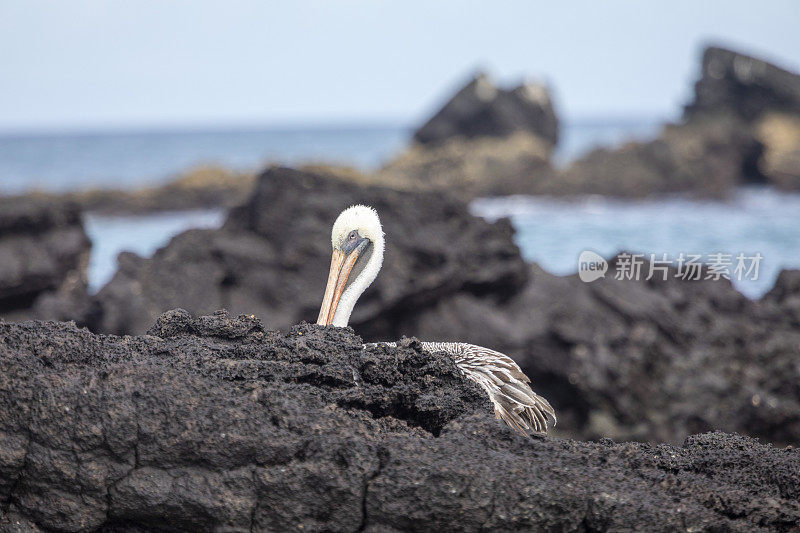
{"x": 358, "y": 247}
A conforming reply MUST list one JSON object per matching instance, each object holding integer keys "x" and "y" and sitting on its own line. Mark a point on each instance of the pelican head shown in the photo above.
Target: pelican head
{"x": 357, "y": 241}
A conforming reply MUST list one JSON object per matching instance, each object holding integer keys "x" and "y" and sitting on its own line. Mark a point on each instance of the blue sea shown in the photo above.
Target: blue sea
{"x": 551, "y": 232}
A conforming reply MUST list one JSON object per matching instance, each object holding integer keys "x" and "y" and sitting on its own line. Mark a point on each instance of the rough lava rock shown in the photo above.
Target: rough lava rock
{"x": 44, "y": 250}
{"x": 645, "y": 361}
{"x": 214, "y": 423}
{"x": 481, "y": 109}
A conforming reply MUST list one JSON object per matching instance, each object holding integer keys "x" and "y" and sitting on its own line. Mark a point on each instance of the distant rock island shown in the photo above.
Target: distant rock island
{"x": 742, "y": 127}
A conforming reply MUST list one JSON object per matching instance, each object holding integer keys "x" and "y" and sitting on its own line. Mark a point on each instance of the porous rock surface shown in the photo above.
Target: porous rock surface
{"x": 214, "y": 423}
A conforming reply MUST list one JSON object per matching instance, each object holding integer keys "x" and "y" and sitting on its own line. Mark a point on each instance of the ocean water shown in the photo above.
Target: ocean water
{"x": 62, "y": 162}
{"x": 142, "y": 235}
{"x": 550, "y": 232}
{"x": 754, "y": 221}
{"x": 65, "y": 162}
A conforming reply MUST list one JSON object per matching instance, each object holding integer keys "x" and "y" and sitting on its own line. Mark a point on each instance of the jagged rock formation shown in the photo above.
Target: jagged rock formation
{"x": 707, "y": 158}
{"x": 481, "y": 109}
{"x": 272, "y": 255}
{"x": 742, "y": 85}
{"x": 762, "y": 95}
{"x": 44, "y": 250}
{"x": 485, "y": 141}
{"x": 742, "y": 127}
{"x": 214, "y": 423}
{"x": 647, "y": 361}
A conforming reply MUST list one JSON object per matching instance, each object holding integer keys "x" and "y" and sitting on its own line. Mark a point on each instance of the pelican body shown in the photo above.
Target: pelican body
{"x": 358, "y": 247}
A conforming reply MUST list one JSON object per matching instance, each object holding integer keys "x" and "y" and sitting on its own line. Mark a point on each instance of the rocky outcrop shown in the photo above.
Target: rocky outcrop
{"x": 629, "y": 360}
{"x": 481, "y": 109}
{"x": 200, "y": 187}
{"x": 472, "y": 168}
{"x": 214, "y": 423}
{"x": 44, "y": 250}
{"x": 742, "y": 127}
{"x": 762, "y": 95}
{"x": 649, "y": 360}
{"x": 485, "y": 141}
{"x": 707, "y": 158}
{"x": 780, "y": 162}
{"x": 271, "y": 258}
{"x": 742, "y": 85}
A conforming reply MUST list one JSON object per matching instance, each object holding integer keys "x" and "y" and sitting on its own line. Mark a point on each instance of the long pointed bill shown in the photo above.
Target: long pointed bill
{"x": 336, "y": 265}
{"x": 341, "y": 267}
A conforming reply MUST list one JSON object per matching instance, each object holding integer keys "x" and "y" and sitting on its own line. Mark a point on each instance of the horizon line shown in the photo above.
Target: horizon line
{"x": 299, "y": 125}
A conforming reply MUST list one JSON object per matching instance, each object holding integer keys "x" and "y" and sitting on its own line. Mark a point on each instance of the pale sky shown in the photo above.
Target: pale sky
{"x": 94, "y": 64}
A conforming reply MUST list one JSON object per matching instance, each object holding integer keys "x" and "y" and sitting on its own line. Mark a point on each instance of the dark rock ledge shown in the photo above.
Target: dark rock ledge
{"x": 214, "y": 423}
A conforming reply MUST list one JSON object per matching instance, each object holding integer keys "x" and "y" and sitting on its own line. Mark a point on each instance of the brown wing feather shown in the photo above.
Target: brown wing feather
{"x": 505, "y": 383}
{"x": 503, "y": 380}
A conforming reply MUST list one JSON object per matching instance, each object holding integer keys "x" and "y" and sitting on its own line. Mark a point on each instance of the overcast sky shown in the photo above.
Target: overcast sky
{"x": 108, "y": 64}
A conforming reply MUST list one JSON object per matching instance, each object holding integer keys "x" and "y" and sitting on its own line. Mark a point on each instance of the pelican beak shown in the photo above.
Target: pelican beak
{"x": 341, "y": 266}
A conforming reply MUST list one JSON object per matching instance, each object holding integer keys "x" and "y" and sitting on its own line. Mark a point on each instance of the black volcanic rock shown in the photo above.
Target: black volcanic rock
{"x": 481, "y": 109}
{"x": 213, "y": 423}
{"x": 43, "y": 250}
{"x": 742, "y": 85}
{"x": 741, "y": 128}
{"x": 765, "y": 99}
{"x": 485, "y": 141}
{"x": 646, "y": 360}
{"x": 708, "y": 158}
{"x": 472, "y": 168}
{"x": 785, "y": 297}
{"x": 272, "y": 256}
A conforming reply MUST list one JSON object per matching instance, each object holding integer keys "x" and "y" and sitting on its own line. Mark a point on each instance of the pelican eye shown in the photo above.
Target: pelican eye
{"x": 351, "y": 241}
